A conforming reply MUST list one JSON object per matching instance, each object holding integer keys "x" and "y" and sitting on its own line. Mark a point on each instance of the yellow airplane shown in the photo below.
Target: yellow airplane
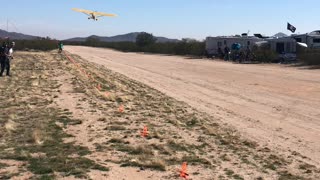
{"x": 94, "y": 15}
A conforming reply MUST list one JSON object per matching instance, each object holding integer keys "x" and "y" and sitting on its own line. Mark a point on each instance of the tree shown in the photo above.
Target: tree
{"x": 145, "y": 39}
{"x": 92, "y": 41}
{"x": 189, "y": 40}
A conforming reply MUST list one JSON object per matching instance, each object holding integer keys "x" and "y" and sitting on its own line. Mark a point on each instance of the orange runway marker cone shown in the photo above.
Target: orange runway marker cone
{"x": 121, "y": 109}
{"x": 183, "y": 171}
{"x": 145, "y": 132}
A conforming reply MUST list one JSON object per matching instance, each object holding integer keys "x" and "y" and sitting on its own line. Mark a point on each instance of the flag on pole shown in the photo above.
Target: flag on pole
{"x": 291, "y": 28}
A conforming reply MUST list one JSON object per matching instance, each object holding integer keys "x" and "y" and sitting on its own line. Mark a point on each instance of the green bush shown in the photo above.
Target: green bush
{"x": 145, "y": 39}
{"x": 39, "y": 44}
{"x": 264, "y": 54}
{"x": 309, "y": 56}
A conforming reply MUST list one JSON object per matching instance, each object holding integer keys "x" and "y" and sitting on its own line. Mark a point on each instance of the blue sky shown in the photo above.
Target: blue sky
{"x": 170, "y": 18}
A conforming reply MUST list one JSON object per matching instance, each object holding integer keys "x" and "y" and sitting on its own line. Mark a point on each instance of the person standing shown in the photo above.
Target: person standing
{"x": 226, "y": 53}
{"x": 248, "y": 53}
{"x": 7, "y": 55}
{"x": 220, "y": 53}
{"x": 3, "y": 50}
{"x": 60, "y": 47}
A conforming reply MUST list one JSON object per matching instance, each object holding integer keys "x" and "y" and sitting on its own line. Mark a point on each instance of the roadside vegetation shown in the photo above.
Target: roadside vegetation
{"x": 146, "y": 43}
{"x": 43, "y": 44}
{"x": 264, "y": 54}
{"x": 309, "y": 56}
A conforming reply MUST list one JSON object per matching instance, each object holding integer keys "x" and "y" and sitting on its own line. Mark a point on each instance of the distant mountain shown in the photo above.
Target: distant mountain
{"x": 130, "y": 37}
{"x": 280, "y": 35}
{"x": 16, "y": 36}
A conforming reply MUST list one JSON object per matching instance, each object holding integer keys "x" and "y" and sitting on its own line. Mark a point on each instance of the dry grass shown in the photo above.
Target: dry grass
{"x": 11, "y": 126}
{"x": 38, "y": 136}
{"x": 30, "y": 122}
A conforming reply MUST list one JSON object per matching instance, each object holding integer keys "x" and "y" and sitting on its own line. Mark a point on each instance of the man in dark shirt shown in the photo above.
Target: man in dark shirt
{"x": 60, "y": 45}
{"x": 5, "y": 59}
{"x": 227, "y": 53}
{"x": 248, "y": 53}
{"x": 2, "y": 57}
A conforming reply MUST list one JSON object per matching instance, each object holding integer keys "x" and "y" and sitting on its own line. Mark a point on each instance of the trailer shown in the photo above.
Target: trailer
{"x": 311, "y": 39}
{"x": 214, "y": 43}
{"x": 285, "y": 47}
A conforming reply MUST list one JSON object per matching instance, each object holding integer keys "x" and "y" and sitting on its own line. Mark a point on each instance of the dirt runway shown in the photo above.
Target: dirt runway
{"x": 275, "y": 105}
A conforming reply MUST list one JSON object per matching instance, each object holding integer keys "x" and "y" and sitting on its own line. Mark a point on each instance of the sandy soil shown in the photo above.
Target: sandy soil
{"x": 61, "y": 119}
{"x": 274, "y": 105}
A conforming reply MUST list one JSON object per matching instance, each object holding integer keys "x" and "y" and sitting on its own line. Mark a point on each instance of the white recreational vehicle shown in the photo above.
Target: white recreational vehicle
{"x": 285, "y": 47}
{"x": 311, "y": 39}
{"x": 214, "y": 43}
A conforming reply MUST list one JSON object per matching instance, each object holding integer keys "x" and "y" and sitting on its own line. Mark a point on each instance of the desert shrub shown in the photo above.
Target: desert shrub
{"x": 38, "y": 44}
{"x": 309, "y": 56}
{"x": 264, "y": 54}
{"x": 93, "y": 41}
{"x": 197, "y": 48}
{"x": 122, "y": 46}
{"x": 145, "y": 39}
{"x": 193, "y": 48}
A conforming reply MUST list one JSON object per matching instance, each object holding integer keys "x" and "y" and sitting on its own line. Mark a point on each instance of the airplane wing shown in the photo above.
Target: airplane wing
{"x": 83, "y": 11}
{"x": 104, "y": 14}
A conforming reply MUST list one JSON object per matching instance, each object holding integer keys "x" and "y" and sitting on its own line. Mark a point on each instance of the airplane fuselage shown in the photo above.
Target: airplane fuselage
{"x": 93, "y": 17}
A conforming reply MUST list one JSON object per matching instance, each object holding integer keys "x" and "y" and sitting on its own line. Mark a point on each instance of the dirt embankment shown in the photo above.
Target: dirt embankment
{"x": 56, "y": 123}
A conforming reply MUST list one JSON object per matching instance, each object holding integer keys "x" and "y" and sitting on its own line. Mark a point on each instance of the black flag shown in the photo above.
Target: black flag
{"x": 291, "y": 28}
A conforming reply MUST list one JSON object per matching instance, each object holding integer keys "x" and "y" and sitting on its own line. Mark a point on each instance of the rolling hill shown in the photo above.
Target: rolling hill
{"x": 130, "y": 37}
{"x": 16, "y": 36}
